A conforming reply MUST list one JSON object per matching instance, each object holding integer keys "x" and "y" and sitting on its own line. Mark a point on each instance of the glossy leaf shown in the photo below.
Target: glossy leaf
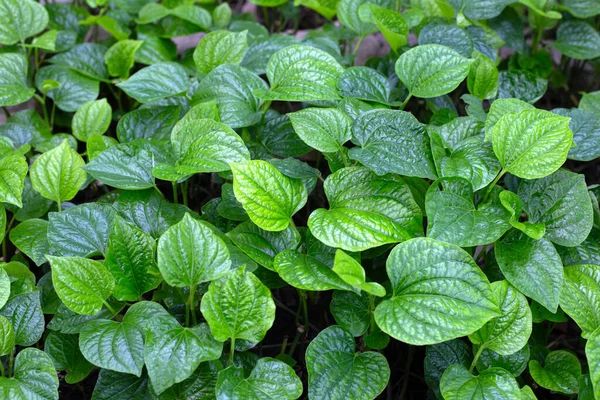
{"x": 592, "y": 353}
{"x": 324, "y": 129}
{"x": 21, "y": 19}
{"x": 7, "y": 336}
{"x": 439, "y": 357}
{"x": 73, "y": 89}
{"x": 512, "y": 202}
{"x": 65, "y": 354}
{"x": 458, "y": 384}
{"x": 560, "y": 372}
{"x": 13, "y": 78}
{"x": 34, "y": 377}
{"x": 578, "y": 40}
{"x": 580, "y": 296}
{"x": 351, "y": 311}
{"x": 120, "y": 57}
{"x": 31, "y": 237}
{"x": 24, "y": 313}
{"x": 218, "y": 48}
{"x": 156, "y": 82}
{"x": 353, "y": 274}
{"x": 307, "y": 273}
{"x": 365, "y": 84}
{"x": 92, "y": 119}
{"x": 13, "y": 170}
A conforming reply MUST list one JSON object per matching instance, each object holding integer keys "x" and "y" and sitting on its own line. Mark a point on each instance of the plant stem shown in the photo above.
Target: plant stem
{"x": 372, "y": 312}
{"x": 476, "y": 358}
{"x": 491, "y": 186}
{"x": 11, "y": 360}
{"x": 108, "y": 306}
{"x": 59, "y": 206}
{"x": 184, "y": 192}
{"x": 299, "y": 331}
{"x": 175, "y": 200}
{"x": 52, "y": 115}
{"x": 231, "y": 351}
{"x": 409, "y": 359}
{"x": 6, "y": 112}
{"x": 4, "y": 241}
{"x": 360, "y": 39}
{"x": 536, "y": 40}
{"x": 302, "y": 296}
{"x": 1, "y": 369}
{"x": 405, "y": 102}
{"x": 192, "y": 305}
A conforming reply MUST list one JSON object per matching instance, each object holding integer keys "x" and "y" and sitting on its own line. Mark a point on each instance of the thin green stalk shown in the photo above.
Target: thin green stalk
{"x": 116, "y": 95}
{"x": 108, "y": 306}
{"x": 42, "y": 102}
{"x": 302, "y": 295}
{"x": 5, "y": 241}
{"x": 299, "y": 332}
{"x": 59, "y": 206}
{"x": 2, "y": 369}
{"x": 405, "y": 102}
{"x": 6, "y": 112}
{"x": 11, "y": 360}
{"x": 184, "y": 192}
{"x": 491, "y": 186}
{"x": 52, "y": 115}
{"x": 266, "y": 18}
{"x": 192, "y": 304}
{"x": 175, "y": 200}
{"x": 360, "y": 39}
{"x": 476, "y": 358}
{"x": 372, "y": 312}
{"x": 231, "y": 351}
{"x": 536, "y": 40}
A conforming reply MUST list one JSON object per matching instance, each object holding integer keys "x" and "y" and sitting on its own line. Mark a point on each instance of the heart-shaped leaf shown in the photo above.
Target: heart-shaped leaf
{"x": 65, "y": 354}
{"x": 560, "y": 373}
{"x": 218, "y": 48}
{"x": 34, "y": 377}
{"x": 458, "y": 384}
{"x": 13, "y": 79}
{"x": 156, "y": 82}
{"x": 580, "y": 297}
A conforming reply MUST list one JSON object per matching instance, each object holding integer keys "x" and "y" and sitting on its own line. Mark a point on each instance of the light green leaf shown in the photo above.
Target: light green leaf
{"x": 580, "y": 297}
{"x": 560, "y": 372}
{"x": 430, "y": 305}
{"x": 92, "y": 119}
{"x": 13, "y": 78}
{"x": 482, "y": 80}
{"x": 238, "y": 306}
{"x": 31, "y": 237}
{"x": 364, "y": 83}
{"x": 21, "y": 19}
{"x": 302, "y": 73}
{"x": 336, "y": 371}
{"x": 82, "y": 284}
{"x": 57, "y": 174}
{"x": 7, "y": 336}
{"x": 190, "y": 253}
{"x": 533, "y": 143}
{"x": 64, "y": 352}
{"x": 73, "y": 90}
{"x": 500, "y": 108}
{"x": 4, "y": 287}
{"x": 268, "y": 3}
{"x": 270, "y": 378}
{"x": 432, "y": 70}
{"x": 351, "y": 311}
{"x": 392, "y": 25}
{"x": 565, "y": 225}
{"x": 590, "y": 102}
{"x": 307, "y": 273}
{"x": 46, "y": 41}
{"x": 34, "y": 377}
{"x": 324, "y": 129}
{"x": 353, "y": 274}
{"x": 458, "y": 384}
{"x": 478, "y": 10}
{"x": 578, "y": 40}
{"x": 509, "y": 332}
{"x": 120, "y": 57}
{"x": 324, "y": 7}
{"x": 13, "y": 170}
{"x": 196, "y": 15}
{"x": 532, "y": 266}
{"x": 222, "y": 15}
{"x": 366, "y": 210}
{"x": 441, "y": 356}
{"x": 592, "y": 353}
{"x": 453, "y": 217}
{"x": 269, "y": 197}
{"x": 172, "y": 353}
{"x": 218, "y": 48}
{"x": 512, "y": 202}
{"x": 349, "y": 15}
{"x": 130, "y": 260}
{"x": 156, "y": 82}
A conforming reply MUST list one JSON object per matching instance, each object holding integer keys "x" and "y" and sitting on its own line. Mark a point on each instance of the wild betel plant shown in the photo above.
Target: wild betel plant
{"x": 259, "y": 217}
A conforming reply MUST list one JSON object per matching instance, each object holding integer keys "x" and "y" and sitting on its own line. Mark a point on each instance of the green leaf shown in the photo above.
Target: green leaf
{"x": 65, "y": 354}
{"x": 592, "y": 353}
{"x": 268, "y": 3}
{"x": 120, "y": 57}
{"x": 431, "y": 305}
{"x": 148, "y": 123}
{"x": 270, "y": 378}
{"x": 118, "y": 346}
{"x": 532, "y": 266}
{"x": 115, "y": 385}
{"x": 580, "y": 297}
{"x": 441, "y": 356}
{"x": 335, "y": 371}
{"x": 565, "y": 225}
{"x": 366, "y": 210}
{"x": 156, "y": 82}
{"x": 590, "y": 102}
{"x": 514, "y": 363}
{"x": 34, "y": 377}
{"x": 482, "y": 80}
{"x": 278, "y": 137}
{"x": 231, "y": 87}
{"x": 4, "y": 287}
{"x": 500, "y": 108}
{"x": 392, "y": 25}
{"x": 22, "y": 280}
{"x": 449, "y": 35}
{"x": 67, "y": 321}
{"x": 167, "y": 341}
{"x": 307, "y": 273}
{"x": 222, "y": 15}
{"x": 478, "y": 10}
{"x": 13, "y": 78}
{"x": 349, "y": 15}
{"x": 201, "y": 384}
{"x": 432, "y": 70}
{"x": 458, "y": 384}
{"x": 130, "y": 260}
{"x": 74, "y": 90}
{"x": 509, "y": 332}
{"x": 21, "y": 19}
{"x": 218, "y": 48}
{"x": 453, "y": 217}
{"x": 588, "y": 252}
{"x": 190, "y": 253}
{"x": 269, "y": 197}
{"x": 578, "y": 40}
{"x": 324, "y": 7}
{"x": 238, "y": 306}
{"x": 7, "y": 336}
{"x": 364, "y": 83}
{"x": 31, "y": 238}
{"x": 302, "y": 73}
{"x": 24, "y": 313}
{"x": 582, "y": 8}
{"x": 584, "y": 126}
{"x": 92, "y": 119}
{"x": 82, "y": 284}
{"x": 46, "y": 41}
{"x": 533, "y": 143}
{"x": 81, "y": 230}
{"x": 522, "y": 85}
{"x": 512, "y": 202}
{"x": 560, "y": 372}
{"x": 13, "y": 170}
{"x": 353, "y": 274}
{"x": 351, "y": 311}
{"x": 86, "y": 59}
{"x": 324, "y": 129}
{"x": 57, "y": 174}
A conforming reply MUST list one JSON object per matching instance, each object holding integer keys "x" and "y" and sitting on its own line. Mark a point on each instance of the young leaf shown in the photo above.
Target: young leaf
{"x": 31, "y": 237}
{"x": 431, "y": 305}
{"x": 482, "y": 80}
{"x": 392, "y": 25}
{"x": 580, "y": 297}
{"x": 21, "y": 19}
{"x": 34, "y": 377}
{"x": 218, "y": 48}
{"x": 4, "y": 287}
{"x": 65, "y": 354}
{"x": 190, "y": 253}
{"x": 348, "y": 12}
{"x": 351, "y": 311}
{"x": 532, "y": 266}
{"x": 324, "y": 129}
{"x": 238, "y": 306}
{"x": 509, "y": 332}
{"x": 353, "y": 274}
{"x": 499, "y": 109}
{"x": 458, "y": 384}
{"x": 307, "y": 273}
{"x": 336, "y": 371}
{"x": 13, "y": 79}
{"x": 432, "y": 70}
{"x": 120, "y": 57}
{"x": 82, "y": 284}
{"x": 532, "y": 144}
{"x": 13, "y": 170}
{"x": 512, "y": 202}
{"x": 301, "y": 73}
{"x": 366, "y": 211}
{"x": 269, "y": 378}
{"x": 156, "y": 82}
{"x": 130, "y": 260}
{"x": 269, "y": 197}
{"x": 24, "y": 312}
{"x": 560, "y": 372}
{"x": 92, "y": 119}
{"x": 57, "y": 174}
{"x": 392, "y": 141}
{"x": 166, "y": 341}
{"x": 7, "y": 336}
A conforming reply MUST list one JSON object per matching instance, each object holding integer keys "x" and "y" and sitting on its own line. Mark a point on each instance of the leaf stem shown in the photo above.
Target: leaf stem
{"x": 491, "y": 186}
{"x": 6, "y": 112}
{"x": 372, "y": 312}
{"x": 5, "y": 240}
{"x": 360, "y": 39}
{"x": 231, "y": 351}
{"x": 59, "y": 206}
{"x": 175, "y": 200}
{"x": 184, "y": 192}
{"x": 476, "y": 358}
{"x": 52, "y": 115}
{"x": 108, "y": 306}
{"x": 405, "y": 102}
{"x": 536, "y": 40}
{"x": 11, "y": 360}
{"x": 302, "y": 296}
{"x": 192, "y": 305}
